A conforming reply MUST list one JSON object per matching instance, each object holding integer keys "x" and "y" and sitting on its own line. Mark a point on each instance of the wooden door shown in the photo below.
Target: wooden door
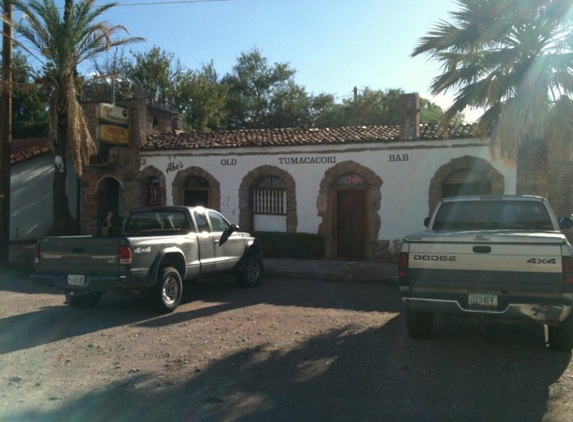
{"x": 351, "y": 224}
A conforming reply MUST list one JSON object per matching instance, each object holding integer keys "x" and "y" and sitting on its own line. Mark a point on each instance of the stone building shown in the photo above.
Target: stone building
{"x": 361, "y": 188}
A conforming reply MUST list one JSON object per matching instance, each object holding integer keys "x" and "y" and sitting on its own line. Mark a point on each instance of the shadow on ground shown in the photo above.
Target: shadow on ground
{"x": 374, "y": 375}
{"x": 465, "y": 373}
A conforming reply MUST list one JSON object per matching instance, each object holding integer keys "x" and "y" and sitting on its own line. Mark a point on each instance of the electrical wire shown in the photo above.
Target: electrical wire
{"x": 155, "y": 3}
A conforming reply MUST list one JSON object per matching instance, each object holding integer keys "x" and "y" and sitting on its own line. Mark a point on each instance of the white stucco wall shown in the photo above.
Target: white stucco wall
{"x": 31, "y": 207}
{"x": 404, "y": 191}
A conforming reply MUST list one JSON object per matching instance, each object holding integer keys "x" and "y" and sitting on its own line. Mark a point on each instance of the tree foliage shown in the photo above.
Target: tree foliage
{"x": 372, "y": 107}
{"x": 257, "y": 94}
{"x": 261, "y": 95}
{"x": 201, "y": 98}
{"x": 29, "y": 101}
{"x": 156, "y": 71}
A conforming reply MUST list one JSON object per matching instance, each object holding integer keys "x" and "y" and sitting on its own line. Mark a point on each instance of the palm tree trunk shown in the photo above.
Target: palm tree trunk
{"x": 61, "y": 204}
{"x": 532, "y": 164}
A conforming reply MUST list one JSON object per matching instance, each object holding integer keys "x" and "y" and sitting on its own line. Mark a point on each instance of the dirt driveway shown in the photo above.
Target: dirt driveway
{"x": 291, "y": 350}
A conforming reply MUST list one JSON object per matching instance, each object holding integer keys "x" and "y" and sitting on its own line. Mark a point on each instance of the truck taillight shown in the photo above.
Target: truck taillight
{"x": 403, "y": 265}
{"x": 568, "y": 269}
{"x": 125, "y": 257}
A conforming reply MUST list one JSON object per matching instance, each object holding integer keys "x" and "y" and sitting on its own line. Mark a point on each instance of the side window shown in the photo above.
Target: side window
{"x": 218, "y": 222}
{"x": 202, "y": 223}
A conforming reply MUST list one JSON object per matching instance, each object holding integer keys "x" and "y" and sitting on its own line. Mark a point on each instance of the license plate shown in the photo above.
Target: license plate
{"x": 483, "y": 299}
{"x": 76, "y": 279}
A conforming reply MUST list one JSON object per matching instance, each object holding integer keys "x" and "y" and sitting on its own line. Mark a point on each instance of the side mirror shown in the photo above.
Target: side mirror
{"x": 427, "y": 221}
{"x": 565, "y": 222}
{"x": 227, "y": 233}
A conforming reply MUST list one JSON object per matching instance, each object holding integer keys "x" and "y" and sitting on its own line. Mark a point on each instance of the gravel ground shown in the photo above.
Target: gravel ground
{"x": 294, "y": 349}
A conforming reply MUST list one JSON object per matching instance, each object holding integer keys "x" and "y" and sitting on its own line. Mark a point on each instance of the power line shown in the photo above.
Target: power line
{"x": 155, "y": 3}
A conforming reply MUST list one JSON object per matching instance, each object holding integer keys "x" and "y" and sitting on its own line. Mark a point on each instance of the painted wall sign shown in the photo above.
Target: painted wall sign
{"x": 307, "y": 160}
{"x": 112, "y": 134}
{"x": 398, "y": 157}
{"x": 112, "y": 114}
{"x": 229, "y": 162}
{"x": 174, "y": 166}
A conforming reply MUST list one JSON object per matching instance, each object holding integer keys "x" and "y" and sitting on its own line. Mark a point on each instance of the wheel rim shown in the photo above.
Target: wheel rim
{"x": 170, "y": 290}
{"x": 253, "y": 270}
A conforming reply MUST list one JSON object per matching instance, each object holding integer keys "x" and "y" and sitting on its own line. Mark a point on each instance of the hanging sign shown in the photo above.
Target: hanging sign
{"x": 112, "y": 134}
{"x": 112, "y": 114}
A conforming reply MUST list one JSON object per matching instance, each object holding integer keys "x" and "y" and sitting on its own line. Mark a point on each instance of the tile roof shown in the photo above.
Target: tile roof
{"x": 177, "y": 140}
{"x": 23, "y": 149}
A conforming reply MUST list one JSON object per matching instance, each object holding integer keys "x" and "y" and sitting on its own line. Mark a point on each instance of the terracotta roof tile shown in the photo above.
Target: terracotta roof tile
{"x": 177, "y": 140}
{"x": 23, "y": 149}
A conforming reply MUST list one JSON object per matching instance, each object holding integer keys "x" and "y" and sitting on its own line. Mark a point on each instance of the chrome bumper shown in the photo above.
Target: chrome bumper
{"x": 543, "y": 314}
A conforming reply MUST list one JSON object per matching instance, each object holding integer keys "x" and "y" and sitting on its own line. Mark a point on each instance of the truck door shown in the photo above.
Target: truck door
{"x": 206, "y": 242}
{"x": 228, "y": 254}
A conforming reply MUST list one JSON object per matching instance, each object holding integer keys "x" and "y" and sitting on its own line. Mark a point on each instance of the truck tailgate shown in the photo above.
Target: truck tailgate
{"x": 79, "y": 255}
{"x": 506, "y": 263}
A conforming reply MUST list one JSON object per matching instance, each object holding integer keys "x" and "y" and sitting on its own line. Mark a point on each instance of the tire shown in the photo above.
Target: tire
{"x": 83, "y": 301}
{"x": 561, "y": 337}
{"x": 165, "y": 295}
{"x": 252, "y": 272}
{"x": 420, "y": 325}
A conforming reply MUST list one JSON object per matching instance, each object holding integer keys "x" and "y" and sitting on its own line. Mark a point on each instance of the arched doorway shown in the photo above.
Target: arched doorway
{"x": 349, "y": 200}
{"x": 109, "y": 205}
{"x": 351, "y": 192}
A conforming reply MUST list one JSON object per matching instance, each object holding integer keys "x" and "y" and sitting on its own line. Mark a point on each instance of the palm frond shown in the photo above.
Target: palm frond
{"x": 512, "y": 58}
{"x": 65, "y": 41}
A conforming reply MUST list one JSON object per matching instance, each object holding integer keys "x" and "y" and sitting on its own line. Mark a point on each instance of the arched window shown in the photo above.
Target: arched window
{"x": 196, "y": 192}
{"x": 465, "y": 182}
{"x": 270, "y": 197}
{"x": 153, "y": 191}
{"x": 351, "y": 180}
{"x": 270, "y": 205}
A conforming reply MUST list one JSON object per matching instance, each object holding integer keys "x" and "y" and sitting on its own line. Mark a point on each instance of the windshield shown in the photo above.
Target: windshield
{"x": 492, "y": 215}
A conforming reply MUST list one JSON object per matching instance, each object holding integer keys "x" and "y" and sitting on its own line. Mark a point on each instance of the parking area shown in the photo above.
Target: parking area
{"x": 296, "y": 348}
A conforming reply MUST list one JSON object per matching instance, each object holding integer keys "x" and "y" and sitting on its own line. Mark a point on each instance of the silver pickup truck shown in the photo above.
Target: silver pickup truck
{"x": 499, "y": 258}
{"x": 159, "y": 248}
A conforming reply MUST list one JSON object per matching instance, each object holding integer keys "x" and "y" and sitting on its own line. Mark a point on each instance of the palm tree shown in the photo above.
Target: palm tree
{"x": 514, "y": 60}
{"x": 63, "y": 42}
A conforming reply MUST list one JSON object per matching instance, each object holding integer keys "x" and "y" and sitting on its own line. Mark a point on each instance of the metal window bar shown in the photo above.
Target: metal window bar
{"x": 270, "y": 201}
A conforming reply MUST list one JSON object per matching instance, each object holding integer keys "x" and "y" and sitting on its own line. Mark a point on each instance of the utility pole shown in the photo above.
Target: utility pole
{"x": 5, "y": 134}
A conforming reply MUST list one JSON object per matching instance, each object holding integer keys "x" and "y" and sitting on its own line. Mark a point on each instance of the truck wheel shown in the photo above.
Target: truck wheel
{"x": 419, "y": 324}
{"x": 165, "y": 295}
{"x": 83, "y": 301}
{"x": 561, "y": 336}
{"x": 252, "y": 272}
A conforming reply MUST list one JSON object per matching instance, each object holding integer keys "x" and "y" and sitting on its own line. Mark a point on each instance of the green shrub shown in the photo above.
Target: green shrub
{"x": 291, "y": 245}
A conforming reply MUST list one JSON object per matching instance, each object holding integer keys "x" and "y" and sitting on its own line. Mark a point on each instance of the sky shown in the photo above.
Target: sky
{"x": 334, "y": 45}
